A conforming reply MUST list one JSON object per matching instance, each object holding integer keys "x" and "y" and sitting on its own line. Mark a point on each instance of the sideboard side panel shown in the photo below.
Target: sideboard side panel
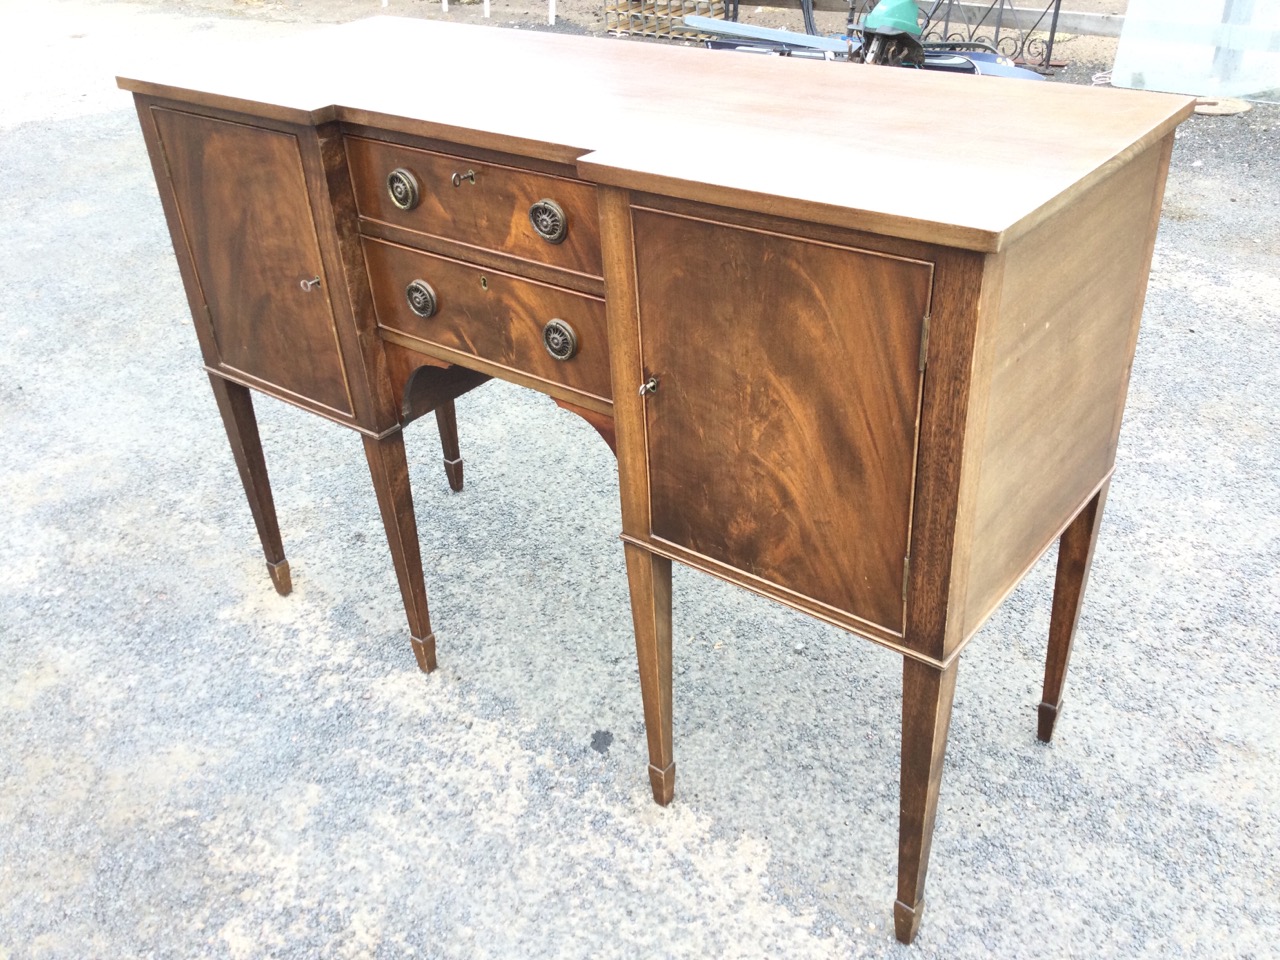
{"x": 324, "y": 157}
{"x": 1070, "y": 304}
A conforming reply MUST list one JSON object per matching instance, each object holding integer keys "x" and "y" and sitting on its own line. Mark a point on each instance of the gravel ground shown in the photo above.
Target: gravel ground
{"x": 193, "y": 766}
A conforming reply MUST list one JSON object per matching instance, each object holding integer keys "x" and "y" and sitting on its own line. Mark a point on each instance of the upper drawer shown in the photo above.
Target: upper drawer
{"x": 481, "y": 204}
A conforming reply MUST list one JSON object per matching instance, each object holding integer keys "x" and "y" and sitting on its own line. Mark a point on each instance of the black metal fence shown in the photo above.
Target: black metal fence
{"x": 1024, "y": 33}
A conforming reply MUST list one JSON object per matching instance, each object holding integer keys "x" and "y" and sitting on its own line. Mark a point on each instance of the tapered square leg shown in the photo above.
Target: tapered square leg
{"x": 927, "y": 693}
{"x": 281, "y": 578}
{"x": 1075, "y": 557}
{"x": 235, "y": 403}
{"x": 390, "y": 473}
{"x": 447, "y": 422}
{"x": 649, "y": 578}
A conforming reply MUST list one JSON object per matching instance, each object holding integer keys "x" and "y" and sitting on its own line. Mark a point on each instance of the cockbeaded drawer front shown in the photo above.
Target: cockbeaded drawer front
{"x": 547, "y": 333}
{"x": 531, "y": 216}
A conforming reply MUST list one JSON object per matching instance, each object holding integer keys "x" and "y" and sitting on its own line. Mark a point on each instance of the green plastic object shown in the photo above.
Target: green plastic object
{"x": 894, "y": 15}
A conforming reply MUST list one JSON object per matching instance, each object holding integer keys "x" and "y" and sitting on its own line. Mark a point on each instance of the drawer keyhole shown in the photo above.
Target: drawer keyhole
{"x": 458, "y": 178}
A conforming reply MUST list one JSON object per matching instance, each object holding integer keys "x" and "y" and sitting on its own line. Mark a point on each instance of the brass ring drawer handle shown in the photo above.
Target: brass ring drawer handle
{"x": 457, "y": 178}
{"x": 402, "y": 186}
{"x": 421, "y": 298}
{"x": 560, "y": 340}
{"x": 549, "y": 221}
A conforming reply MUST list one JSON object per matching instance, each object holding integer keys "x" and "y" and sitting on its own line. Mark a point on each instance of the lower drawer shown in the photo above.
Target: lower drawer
{"x": 544, "y": 332}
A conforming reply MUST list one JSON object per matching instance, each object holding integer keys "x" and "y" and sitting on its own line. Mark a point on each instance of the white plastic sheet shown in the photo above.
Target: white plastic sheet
{"x": 1217, "y": 48}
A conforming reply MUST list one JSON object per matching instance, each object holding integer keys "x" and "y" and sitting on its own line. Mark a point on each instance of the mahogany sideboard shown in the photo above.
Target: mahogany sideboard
{"x": 860, "y": 337}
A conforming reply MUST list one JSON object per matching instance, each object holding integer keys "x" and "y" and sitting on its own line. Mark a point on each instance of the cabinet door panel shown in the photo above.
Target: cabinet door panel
{"x": 782, "y": 437}
{"x": 246, "y": 220}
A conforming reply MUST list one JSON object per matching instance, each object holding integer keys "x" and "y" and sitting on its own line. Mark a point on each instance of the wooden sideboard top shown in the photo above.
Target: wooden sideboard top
{"x": 970, "y": 162}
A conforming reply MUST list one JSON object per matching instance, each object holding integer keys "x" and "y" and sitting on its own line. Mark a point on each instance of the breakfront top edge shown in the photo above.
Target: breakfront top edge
{"x": 962, "y": 161}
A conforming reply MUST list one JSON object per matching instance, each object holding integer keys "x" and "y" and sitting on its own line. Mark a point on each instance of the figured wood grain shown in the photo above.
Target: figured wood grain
{"x": 246, "y": 221}
{"x": 1063, "y": 346}
{"x": 492, "y": 212}
{"x": 745, "y": 137}
{"x": 482, "y": 257}
{"x": 324, "y": 160}
{"x": 491, "y": 315}
{"x": 173, "y": 219}
{"x": 767, "y": 279}
{"x": 804, "y": 229}
{"x": 884, "y": 636}
{"x": 453, "y": 148}
{"x": 782, "y": 438}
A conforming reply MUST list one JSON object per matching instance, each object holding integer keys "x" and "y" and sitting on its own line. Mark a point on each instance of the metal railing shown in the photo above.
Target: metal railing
{"x": 1023, "y": 33}
{"x": 1019, "y": 33}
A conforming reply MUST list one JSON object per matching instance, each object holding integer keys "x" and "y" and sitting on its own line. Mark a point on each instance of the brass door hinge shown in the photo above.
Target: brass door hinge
{"x": 906, "y": 575}
{"x": 924, "y": 342}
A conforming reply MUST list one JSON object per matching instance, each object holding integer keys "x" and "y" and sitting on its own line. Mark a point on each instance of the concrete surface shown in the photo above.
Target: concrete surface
{"x": 191, "y": 766}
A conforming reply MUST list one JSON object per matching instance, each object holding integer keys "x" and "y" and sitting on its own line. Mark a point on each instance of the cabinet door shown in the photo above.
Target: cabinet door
{"x": 782, "y": 437}
{"x": 246, "y": 221}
